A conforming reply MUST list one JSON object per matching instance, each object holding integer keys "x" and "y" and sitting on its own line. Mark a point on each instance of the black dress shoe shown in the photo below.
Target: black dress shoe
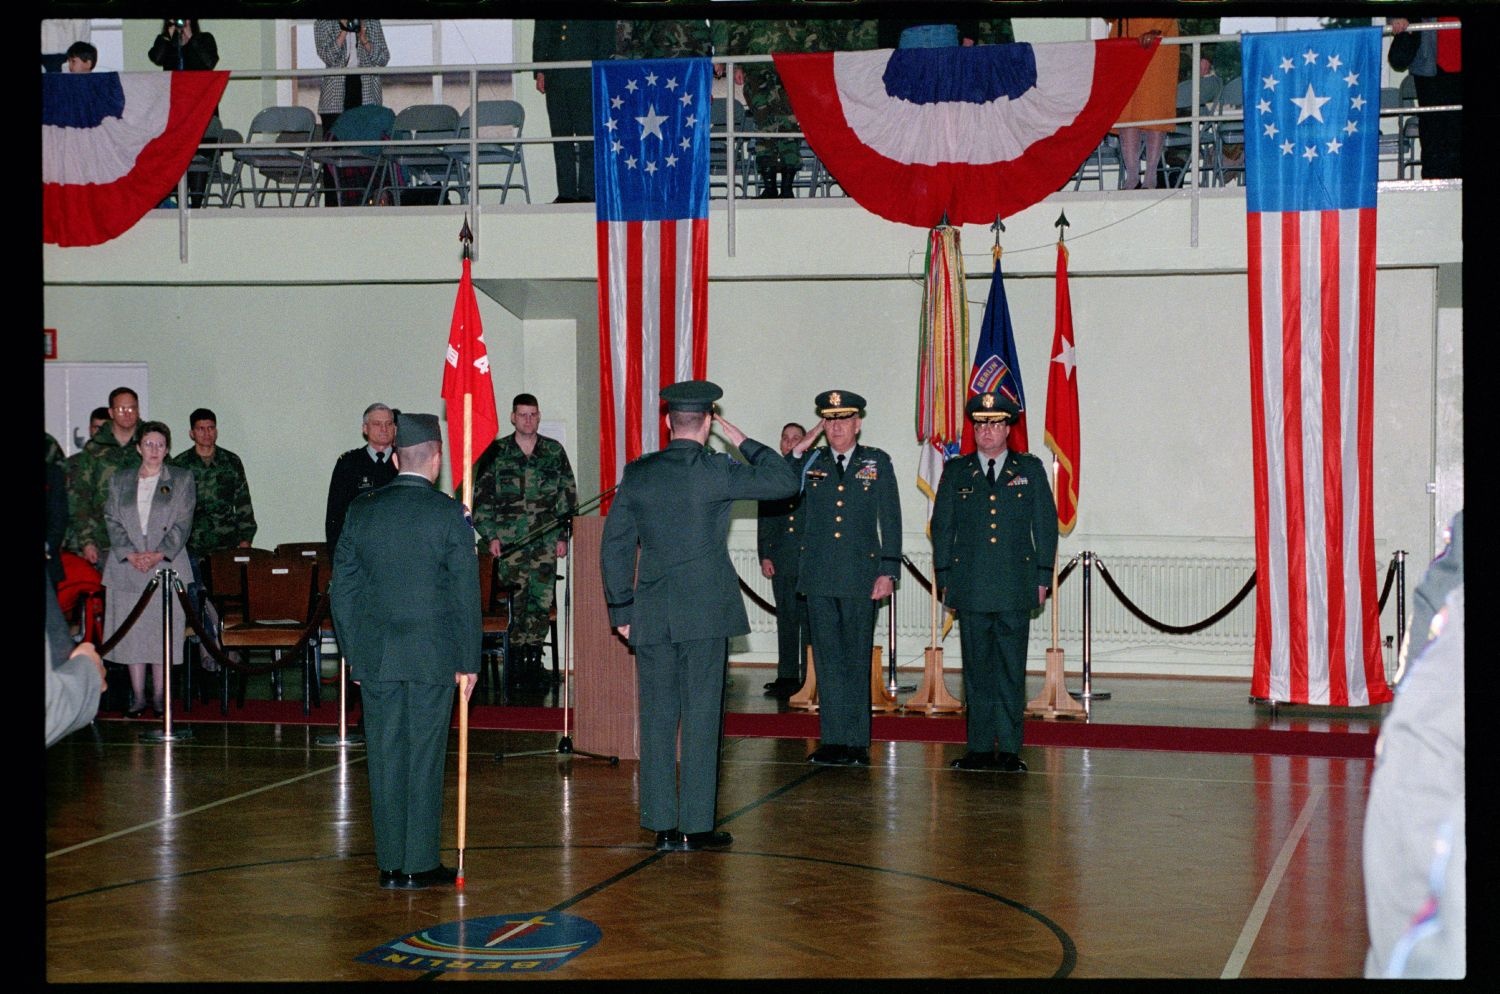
{"x": 1009, "y": 762}
{"x": 858, "y": 756}
{"x": 975, "y": 761}
{"x": 671, "y": 841}
{"x": 707, "y": 840}
{"x": 391, "y": 879}
{"x": 136, "y": 713}
{"x": 435, "y": 877}
{"x": 829, "y": 755}
{"x": 782, "y": 689}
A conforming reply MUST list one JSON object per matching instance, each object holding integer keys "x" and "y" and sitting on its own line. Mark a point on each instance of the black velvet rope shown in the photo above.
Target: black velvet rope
{"x": 760, "y": 601}
{"x": 1160, "y": 626}
{"x": 108, "y": 644}
{"x": 214, "y": 649}
{"x": 1390, "y": 576}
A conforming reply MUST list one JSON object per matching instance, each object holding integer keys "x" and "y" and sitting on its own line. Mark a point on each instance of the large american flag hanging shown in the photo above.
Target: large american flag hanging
{"x": 651, "y": 140}
{"x": 1312, "y": 126}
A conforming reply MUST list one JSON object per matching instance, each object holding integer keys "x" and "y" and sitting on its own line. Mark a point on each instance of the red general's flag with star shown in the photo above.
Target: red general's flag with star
{"x": 1062, "y": 402}
{"x": 472, "y": 423}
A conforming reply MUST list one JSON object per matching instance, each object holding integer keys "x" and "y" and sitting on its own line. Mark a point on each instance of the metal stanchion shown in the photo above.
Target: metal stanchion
{"x": 343, "y": 738}
{"x": 891, "y": 686}
{"x": 1401, "y": 599}
{"x": 168, "y": 579}
{"x": 1088, "y": 693}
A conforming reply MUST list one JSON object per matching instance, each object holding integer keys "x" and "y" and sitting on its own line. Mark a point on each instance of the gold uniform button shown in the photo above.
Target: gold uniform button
{"x": 838, "y": 517}
{"x": 992, "y": 539}
{"x": 993, "y": 525}
{"x": 993, "y": 511}
{"x": 838, "y": 503}
{"x": 836, "y": 535}
{"x": 992, "y": 496}
{"x": 841, "y": 487}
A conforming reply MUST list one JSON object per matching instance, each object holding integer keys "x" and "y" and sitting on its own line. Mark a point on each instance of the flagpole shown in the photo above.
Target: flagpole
{"x": 463, "y": 698}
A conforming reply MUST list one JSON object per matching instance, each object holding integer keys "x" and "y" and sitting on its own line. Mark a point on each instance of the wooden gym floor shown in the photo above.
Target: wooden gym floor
{"x": 244, "y": 854}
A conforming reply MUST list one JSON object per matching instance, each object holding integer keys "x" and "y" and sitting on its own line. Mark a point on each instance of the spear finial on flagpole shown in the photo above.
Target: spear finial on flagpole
{"x": 1061, "y": 224}
{"x": 997, "y": 227}
{"x": 466, "y": 235}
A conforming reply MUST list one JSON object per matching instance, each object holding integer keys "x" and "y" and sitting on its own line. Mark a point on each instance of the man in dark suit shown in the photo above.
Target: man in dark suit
{"x": 680, "y": 607}
{"x": 851, "y": 552}
{"x": 779, "y": 545}
{"x": 569, "y": 94}
{"x": 405, "y": 599}
{"x": 994, "y": 538}
{"x": 361, "y": 469}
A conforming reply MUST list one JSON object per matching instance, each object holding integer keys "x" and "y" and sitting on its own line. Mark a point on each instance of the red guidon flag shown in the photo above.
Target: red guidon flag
{"x": 466, "y": 373}
{"x": 1062, "y": 402}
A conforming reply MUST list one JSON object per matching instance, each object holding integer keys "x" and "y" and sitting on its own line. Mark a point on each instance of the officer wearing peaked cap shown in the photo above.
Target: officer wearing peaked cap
{"x": 679, "y": 606}
{"x": 851, "y": 553}
{"x": 994, "y": 538}
{"x": 405, "y": 600}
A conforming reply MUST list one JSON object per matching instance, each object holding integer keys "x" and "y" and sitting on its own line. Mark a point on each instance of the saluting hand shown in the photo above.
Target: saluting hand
{"x": 729, "y": 431}
{"x": 808, "y": 439}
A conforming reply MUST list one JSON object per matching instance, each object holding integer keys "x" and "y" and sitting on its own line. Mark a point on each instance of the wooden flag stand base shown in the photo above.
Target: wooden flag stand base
{"x": 1055, "y": 702}
{"x": 932, "y": 696}
{"x": 806, "y": 697}
{"x": 881, "y": 699}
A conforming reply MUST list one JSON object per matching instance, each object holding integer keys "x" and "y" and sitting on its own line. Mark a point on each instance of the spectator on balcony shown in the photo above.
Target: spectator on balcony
{"x": 342, "y": 43}
{"x": 82, "y": 57}
{"x": 181, "y": 45}
{"x": 1434, "y": 59}
{"x": 570, "y": 99}
{"x": 1155, "y": 97}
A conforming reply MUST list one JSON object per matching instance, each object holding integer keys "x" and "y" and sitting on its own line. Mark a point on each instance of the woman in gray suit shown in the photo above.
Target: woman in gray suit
{"x": 148, "y": 514}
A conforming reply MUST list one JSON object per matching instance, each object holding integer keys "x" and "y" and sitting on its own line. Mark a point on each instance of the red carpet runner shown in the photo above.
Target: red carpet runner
{"x": 899, "y": 728}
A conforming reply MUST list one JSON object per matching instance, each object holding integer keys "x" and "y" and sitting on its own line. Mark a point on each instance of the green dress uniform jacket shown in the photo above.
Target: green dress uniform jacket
{"x": 682, "y": 604}
{"x": 993, "y": 546}
{"x": 851, "y": 534}
{"x": 405, "y": 602}
{"x": 851, "y": 530}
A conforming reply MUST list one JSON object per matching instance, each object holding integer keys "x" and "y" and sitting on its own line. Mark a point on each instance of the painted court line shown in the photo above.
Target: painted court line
{"x": 1268, "y": 890}
{"x": 203, "y": 807}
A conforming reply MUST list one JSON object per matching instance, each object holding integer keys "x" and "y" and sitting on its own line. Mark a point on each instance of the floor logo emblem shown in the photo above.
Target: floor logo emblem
{"x": 524, "y": 943}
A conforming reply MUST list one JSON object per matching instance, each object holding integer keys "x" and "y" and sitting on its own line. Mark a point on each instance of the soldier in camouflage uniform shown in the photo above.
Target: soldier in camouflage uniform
{"x": 223, "y": 517}
{"x": 777, "y": 160}
{"x": 657, "y": 39}
{"x": 523, "y": 482}
{"x": 112, "y": 448}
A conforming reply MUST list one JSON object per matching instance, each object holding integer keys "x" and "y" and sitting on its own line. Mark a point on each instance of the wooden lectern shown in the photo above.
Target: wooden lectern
{"x": 604, "y": 704}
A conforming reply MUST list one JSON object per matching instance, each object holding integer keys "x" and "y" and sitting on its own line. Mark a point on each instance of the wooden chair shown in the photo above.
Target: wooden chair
{"x": 223, "y": 580}
{"x": 280, "y": 594}
{"x": 319, "y": 553}
{"x": 494, "y": 608}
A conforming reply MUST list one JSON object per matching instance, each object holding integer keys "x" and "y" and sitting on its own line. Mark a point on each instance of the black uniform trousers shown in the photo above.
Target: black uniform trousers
{"x": 843, "y": 635}
{"x": 994, "y": 648}
{"x": 1441, "y": 132}
{"x": 570, "y": 104}
{"x": 791, "y": 623}
{"x": 406, "y": 744}
{"x": 680, "y": 683}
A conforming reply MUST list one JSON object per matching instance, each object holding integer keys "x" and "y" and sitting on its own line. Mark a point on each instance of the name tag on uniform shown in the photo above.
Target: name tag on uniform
{"x": 817, "y": 474}
{"x": 1019, "y": 481}
{"x": 965, "y": 491}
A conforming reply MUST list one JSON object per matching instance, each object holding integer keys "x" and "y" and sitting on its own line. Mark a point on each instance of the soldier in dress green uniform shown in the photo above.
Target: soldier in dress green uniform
{"x": 405, "y": 599}
{"x": 223, "y": 517}
{"x": 113, "y": 448}
{"x": 681, "y": 604}
{"x": 851, "y": 553}
{"x": 994, "y": 538}
{"x": 779, "y": 547}
{"x": 524, "y": 496}
{"x": 570, "y": 99}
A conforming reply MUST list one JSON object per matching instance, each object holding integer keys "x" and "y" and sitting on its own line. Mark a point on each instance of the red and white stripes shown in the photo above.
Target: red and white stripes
{"x": 1312, "y": 327}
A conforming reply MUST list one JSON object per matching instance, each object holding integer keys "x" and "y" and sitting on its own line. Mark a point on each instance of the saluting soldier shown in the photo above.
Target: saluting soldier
{"x": 779, "y": 547}
{"x": 679, "y": 608}
{"x": 994, "y": 538}
{"x": 851, "y": 552}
